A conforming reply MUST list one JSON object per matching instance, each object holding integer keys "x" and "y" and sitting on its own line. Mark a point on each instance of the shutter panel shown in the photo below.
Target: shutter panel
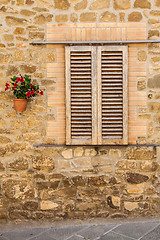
{"x": 112, "y": 95}
{"x": 80, "y": 89}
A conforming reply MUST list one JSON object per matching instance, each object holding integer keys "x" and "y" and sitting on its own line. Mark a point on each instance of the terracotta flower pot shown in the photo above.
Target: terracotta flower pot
{"x": 20, "y": 104}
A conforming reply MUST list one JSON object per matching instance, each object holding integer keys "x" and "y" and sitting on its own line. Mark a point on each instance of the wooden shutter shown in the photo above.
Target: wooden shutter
{"x": 112, "y": 95}
{"x": 81, "y": 122}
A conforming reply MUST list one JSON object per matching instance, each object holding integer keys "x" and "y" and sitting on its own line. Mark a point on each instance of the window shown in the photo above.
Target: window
{"x": 96, "y": 95}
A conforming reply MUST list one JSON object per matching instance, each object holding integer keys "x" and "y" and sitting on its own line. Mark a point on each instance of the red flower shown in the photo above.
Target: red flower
{"x": 41, "y": 92}
{"x": 18, "y": 79}
{"x": 7, "y": 84}
{"x": 6, "y": 88}
{"x": 32, "y": 87}
{"x": 28, "y": 94}
{"x": 32, "y": 93}
{"x": 15, "y": 85}
{"x": 22, "y": 79}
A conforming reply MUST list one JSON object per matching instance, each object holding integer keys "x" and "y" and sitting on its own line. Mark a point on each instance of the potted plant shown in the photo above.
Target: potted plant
{"x": 23, "y": 89}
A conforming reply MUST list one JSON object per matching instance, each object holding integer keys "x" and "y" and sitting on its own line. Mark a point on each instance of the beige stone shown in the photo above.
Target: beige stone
{"x": 135, "y": 17}
{"x": 13, "y": 21}
{"x": 18, "y": 164}
{"x": 81, "y": 5}
{"x": 157, "y": 3}
{"x": 141, "y": 85}
{"x": 153, "y": 20}
{"x": 46, "y": 3}
{"x": 142, "y": 4}
{"x": 121, "y": 4}
{"x": 29, "y": 2}
{"x": 19, "y": 55}
{"x": 19, "y": 30}
{"x": 130, "y": 206}
{"x": 31, "y": 136}
{"x": 122, "y": 17}
{"x": 64, "y": 164}
{"x": 2, "y": 123}
{"x": 82, "y": 162}
{"x": 100, "y": 160}
{"x": 155, "y": 59}
{"x": 28, "y": 68}
{"x": 88, "y": 17}
{"x": 78, "y": 152}
{"x": 36, "y": 35}
{"x": 67, "y": 154}
{"x": 48, "y": 205}
{"x": 142, "y": 55}
{"x": 154, "y": 107}
{"x": 20, "y": 2}
{"x": 4, "y": 2}
{"x": 48, "y": 56}
{"x": 116, "y": 201}
{"x": 108, "y": 17}
{"x": 73, "y": 17}
{"x": 90, "y": 152}
{"x": 43, "y": 163}
{"x": 104, "y": 169}
{"x": 135, "y": 188}
{"x": 114, "y": 154}
{"x": 100, "y": 4}
{"x": 8, "y": 37}
{"x": 61, "y": 4}
{"x": 149, "y": 166}
{"x": 61, "y": 18}
{"x": 5, "y": 58}
{"x": 43, "y": 19}
{"x": 153, "y": 33}
{"x": 155, "y": 12}
{"x": 26, "y": 12}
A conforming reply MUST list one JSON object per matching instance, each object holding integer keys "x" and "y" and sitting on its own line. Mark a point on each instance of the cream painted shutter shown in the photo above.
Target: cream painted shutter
{"x": 96, "y": 95}
{"x": 112, "y": 95}
{"x": 81, "y": 118}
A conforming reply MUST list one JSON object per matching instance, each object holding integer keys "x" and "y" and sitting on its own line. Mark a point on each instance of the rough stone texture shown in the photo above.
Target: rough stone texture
{"x": 61, "y": 18}
{"x": 142, "y": 4}
{"x": 154, "y": 82}
{"x": 81, "y": 5}
{"x": 61, "y": 4}
{"x": 136, "y": 178}
{"x": 43, "y": 163}
{"x": 100, "y": 4}
{"x": 88, "y": 17}
{"x": 121, "y": 4}
{"x": 135, "y": 17}
{"x": 108, "y": 17}
{"x": 142, "y": 56}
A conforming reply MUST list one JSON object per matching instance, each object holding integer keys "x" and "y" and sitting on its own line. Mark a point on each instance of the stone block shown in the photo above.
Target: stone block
{"x": 104, "y": 169}
{"x": 4, "y": 140}
{"x": 100, "y": 4}
{"x": 149, "y": 166}
{"x": 142, "y": 55}
{"x": 157, "y": 3}
{"x": 19, "y": 55}
{"x": 61, "y": 18}
{"x": 18, "y": 189}
{"x": 43, "y": 19}
{"x": 74, "y": 17}
{"x": 116, "y": 201}
{"x": 5, "y": 58}
{"x": 28, "y": 68}
{"x": 108, "y": 17}
{"x": 121, "y": 4}
{"x": 88, "y": 17}
{"x": 135, "y": 188}
{"x": 43, "y": 163}
{"x": 140, "y": 154}
{"x": 8, "y": 37}
{"x": 153, "y": 33}
{"x": 36, "y": 35}
{"x": 13, "y": 21}
{"x": 48, "y": 205}
{"x": 90, "y": 152}
{"x": 154, "y": 107}
{"x": 100, "y": 161}
{"x": 61, "y": 4}
{"x": 130, "y": 206}
{"x": 78, "y": 152}
{"x": 67, "y": 154}
{"x": 82, "y": 162}
{"x": 64, "y": 164}
{"x": 136, "y": 178}
{"x": 30, "y": 205}
{"x": 142, "y": 4}
{"x": 27, "y": 12}
{"x": 141, "y": 85}
{"x": 18, "y": 164}
{"x": 81, "y": 5}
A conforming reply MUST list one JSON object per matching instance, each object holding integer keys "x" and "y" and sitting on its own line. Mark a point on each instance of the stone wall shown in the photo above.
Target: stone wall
{"x": 49, "y": 183}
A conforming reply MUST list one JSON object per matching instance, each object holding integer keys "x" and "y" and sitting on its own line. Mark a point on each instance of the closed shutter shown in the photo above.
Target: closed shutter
{"x": 112, "y": 98}
{"x": 96, "y": 95}
{"x": 80, "y": 88}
